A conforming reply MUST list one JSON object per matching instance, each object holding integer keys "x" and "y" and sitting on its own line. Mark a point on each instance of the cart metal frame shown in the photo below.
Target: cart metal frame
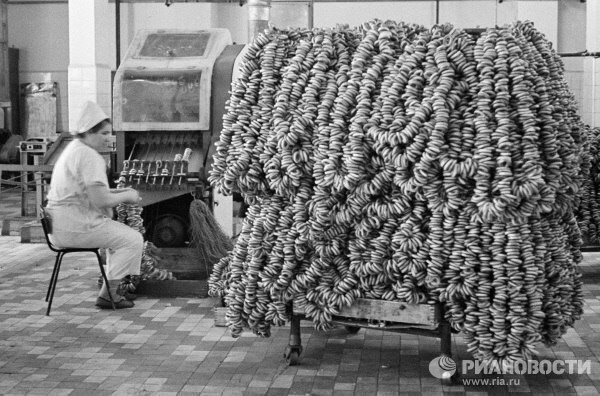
{"x": 430, "y": 322}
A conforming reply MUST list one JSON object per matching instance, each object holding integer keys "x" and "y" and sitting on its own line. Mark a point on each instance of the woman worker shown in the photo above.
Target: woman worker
{"x": 80, "y": 204}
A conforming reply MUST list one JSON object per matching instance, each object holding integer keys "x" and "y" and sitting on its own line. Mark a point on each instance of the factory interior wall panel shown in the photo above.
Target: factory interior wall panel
{"x": 592, "y": 25}
{"x": 40, "y": 32}
{"x": 464, "y": 14}
{"x": 591, "y": 66}
{"x": 543, "y": 13}
{"x": 469, "y": 14}
{"x": 105, "y": 36}
{"x": 177, "y": 16}
{"x": 328, "y": 14}
{"x": 89, "y": 55}
{"x": 89, "y": 82}
{"x": 596, "y": 110}
{"x": 571, "y": 26}
{"x": 571, "y": 39}
{"x": 506, "y": 12}
{"x": 574, "y": 74}
{"x": 91, "y": 33}
{"x": 591, "y": 91}
{"x": 232, "y": 17}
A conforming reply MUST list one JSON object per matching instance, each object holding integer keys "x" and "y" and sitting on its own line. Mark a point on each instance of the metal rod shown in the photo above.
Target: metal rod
{"x": 132, "y": 150}
{"x": 579, "y": 54}
{"x": 259, "y": 14}
{"x": 445, "y": 338}
{"x": 118, "y": 30}
{"x": 38, "y": 2}
{"x": 437, "y": 12}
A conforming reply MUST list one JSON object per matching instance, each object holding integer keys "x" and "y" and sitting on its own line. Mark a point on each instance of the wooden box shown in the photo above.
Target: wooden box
{"x": 382, "y": 311}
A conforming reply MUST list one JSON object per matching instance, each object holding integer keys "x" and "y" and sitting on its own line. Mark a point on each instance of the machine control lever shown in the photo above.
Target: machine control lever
{"x": 156, "y": 174}
{"x": 133, "y": 170}
{"x": 165, "y": 172}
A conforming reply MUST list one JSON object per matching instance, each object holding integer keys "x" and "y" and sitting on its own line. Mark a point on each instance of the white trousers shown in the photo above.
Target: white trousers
{"x": 123, "y": 245}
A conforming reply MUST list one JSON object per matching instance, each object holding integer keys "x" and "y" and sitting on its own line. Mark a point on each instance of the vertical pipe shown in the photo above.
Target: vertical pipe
{"x": 311, "y": 14}
{"x": 594, "y": 87}
{"x": 437, "y": 12}
{"x": 118, "y": 31}
{"x": 445, "y": 338}
{"x": 259, "y": 14}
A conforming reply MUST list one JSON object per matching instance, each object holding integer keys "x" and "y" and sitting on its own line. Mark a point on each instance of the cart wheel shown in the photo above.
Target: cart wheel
{"x": 456, "y": 378}
{"x": 453, "y": 380}
{"x": 169, "y": 231}
{"x": 352, "y": 329}
{"x": 292, "y": 354}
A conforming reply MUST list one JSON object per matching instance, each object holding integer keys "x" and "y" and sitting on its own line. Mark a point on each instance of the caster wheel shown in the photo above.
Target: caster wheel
{"x": 292, "y": 355}
{"x": 453, "y": 380}
{"x": 352, "y": 329}
{"x": 169, "y": 231}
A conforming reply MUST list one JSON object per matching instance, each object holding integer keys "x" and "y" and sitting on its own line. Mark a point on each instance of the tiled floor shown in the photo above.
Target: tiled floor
{"x": 170, "y": 346}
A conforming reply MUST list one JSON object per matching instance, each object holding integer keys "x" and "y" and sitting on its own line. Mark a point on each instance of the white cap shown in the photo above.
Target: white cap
{"x": 90, "y": 116}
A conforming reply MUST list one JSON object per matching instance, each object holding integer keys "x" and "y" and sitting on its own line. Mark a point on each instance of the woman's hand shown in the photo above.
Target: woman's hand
{"x": 120, "y": 190}
{"x": 131, "y": 196}
{"x": 102, "y": 197}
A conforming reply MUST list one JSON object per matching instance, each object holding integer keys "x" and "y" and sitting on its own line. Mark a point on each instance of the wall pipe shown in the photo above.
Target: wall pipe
{"x": 579, "y": 54}
{"x": 259, "y": 14}
{"x": 311, "y": 14}
{"x": 118, "y": 31}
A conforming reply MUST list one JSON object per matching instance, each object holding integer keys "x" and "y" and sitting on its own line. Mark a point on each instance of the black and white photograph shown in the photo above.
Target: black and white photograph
{"x": 299, "y": 197}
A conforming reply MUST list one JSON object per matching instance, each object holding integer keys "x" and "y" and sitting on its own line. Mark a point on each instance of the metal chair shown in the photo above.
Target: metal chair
{"x": 60, "y": 252}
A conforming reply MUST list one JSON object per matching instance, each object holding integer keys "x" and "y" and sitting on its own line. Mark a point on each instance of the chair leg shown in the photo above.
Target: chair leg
{"x": 53, "y": 281}
{"x": 53, "y": 276}
{"x": 105, "y": 280}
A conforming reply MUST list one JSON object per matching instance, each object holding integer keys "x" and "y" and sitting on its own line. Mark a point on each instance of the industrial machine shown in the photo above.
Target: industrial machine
{"x": 169, "y": 97}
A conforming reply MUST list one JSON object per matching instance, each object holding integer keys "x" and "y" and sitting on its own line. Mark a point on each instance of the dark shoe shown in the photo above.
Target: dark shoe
{"x": 105, "y": 304}
{"x": 130, "y": 296}
{"x": 127, "y": 288}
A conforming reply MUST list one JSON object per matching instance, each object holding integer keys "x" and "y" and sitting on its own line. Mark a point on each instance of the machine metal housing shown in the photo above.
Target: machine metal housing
{"x": 169, "y": 99}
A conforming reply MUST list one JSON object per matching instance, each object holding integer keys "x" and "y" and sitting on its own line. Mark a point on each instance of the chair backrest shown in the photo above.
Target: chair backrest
{"x": 47, "y": 227}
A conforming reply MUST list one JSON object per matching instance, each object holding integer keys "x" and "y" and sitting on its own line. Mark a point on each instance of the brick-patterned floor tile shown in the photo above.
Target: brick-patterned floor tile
{"x": 170, "y": 346}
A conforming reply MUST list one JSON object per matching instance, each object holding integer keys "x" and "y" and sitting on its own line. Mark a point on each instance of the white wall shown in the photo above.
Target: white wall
{"x": 460, "y": 13}
{"x": 41, "y": 33}
{"x": 571, "y": 26}
{"x": 469, "y": 14}
{"x": 591, "y": 66}
{"x": 233, "y": 17}
{"x": 354, "y": 13}
{"x": 571, "y": 39}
